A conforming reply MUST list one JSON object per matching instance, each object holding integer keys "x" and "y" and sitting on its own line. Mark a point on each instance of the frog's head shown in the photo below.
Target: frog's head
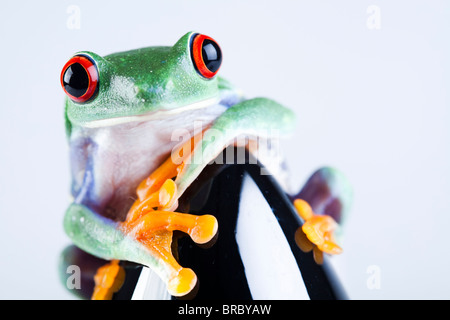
{"x": 143, "y": 83}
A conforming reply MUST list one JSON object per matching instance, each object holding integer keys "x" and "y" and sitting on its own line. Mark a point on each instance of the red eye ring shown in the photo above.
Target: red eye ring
{"x": 79, "y": 78}
{"x": 206, "y": 55}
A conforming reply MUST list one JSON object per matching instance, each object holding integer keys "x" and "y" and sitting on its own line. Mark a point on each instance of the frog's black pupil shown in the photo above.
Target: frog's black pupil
{"x": 211, "y": 54}
{"x": 76, "y": 80}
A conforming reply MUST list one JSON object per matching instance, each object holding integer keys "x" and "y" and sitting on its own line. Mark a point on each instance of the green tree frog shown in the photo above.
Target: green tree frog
{"x": 129, "y": 171}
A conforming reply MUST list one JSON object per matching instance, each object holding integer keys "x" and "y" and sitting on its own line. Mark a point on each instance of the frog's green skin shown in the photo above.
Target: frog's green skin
{"x": 124, "y": 133}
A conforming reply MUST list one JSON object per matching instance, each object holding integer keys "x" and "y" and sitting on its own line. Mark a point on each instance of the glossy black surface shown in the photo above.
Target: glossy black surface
{"x": 219, "y": 268}
{"x": 76, "y": 80}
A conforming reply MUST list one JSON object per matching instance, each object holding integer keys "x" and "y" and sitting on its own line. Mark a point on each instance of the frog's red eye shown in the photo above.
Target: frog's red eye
{"x": 79, "y": 79}
{"x": 206, "y": 55}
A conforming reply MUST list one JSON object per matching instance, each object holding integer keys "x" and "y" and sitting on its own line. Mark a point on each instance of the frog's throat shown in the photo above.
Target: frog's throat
{"x": 160, "y": 114}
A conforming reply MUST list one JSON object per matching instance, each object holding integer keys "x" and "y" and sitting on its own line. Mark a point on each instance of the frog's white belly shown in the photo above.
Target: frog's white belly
{"x": 108, "y": 163}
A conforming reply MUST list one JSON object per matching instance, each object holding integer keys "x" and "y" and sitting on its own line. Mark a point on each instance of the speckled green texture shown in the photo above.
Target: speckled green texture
{"x": 141, "y": 81}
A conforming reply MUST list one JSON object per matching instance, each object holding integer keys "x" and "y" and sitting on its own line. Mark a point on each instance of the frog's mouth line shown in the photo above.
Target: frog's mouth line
{"x": 153, "y": 115}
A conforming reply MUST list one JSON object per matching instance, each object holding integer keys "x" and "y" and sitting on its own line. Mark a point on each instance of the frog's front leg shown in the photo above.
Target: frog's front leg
{"x": 146, "y": 240}
{"x": 259, "y": 117}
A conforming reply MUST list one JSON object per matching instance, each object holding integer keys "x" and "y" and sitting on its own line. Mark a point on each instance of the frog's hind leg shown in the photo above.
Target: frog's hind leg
{"x": 323, "y": 204}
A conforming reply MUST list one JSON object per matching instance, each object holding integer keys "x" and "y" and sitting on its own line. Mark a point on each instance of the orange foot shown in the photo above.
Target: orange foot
{"x": 152, "y": 223}
{"x": 319, "y": 229}
{"x": 108, "y": 280}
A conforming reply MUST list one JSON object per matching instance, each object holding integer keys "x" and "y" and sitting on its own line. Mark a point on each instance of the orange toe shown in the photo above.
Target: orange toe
{"x": 319, "y": 229}
{"x": 182, "y": 283}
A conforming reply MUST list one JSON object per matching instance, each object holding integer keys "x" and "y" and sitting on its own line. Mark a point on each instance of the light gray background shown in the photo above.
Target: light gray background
{"x": 373, "y": 103}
